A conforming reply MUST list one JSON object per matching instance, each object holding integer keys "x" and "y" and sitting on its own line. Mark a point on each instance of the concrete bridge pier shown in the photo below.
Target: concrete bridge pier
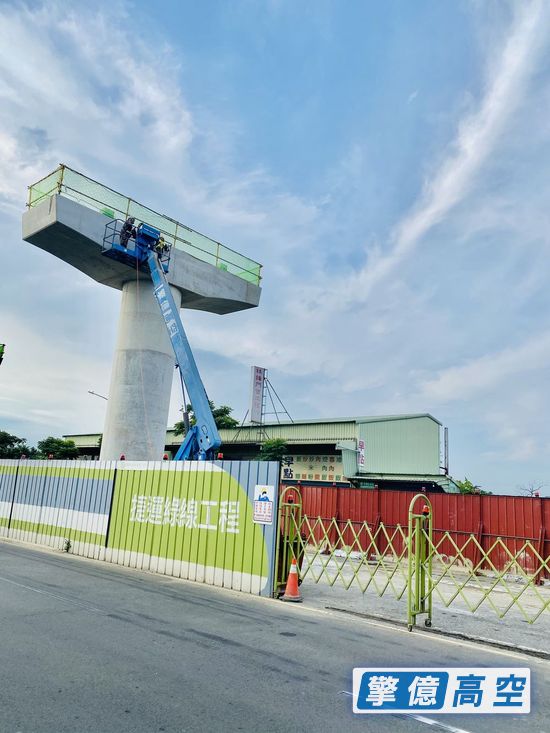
{"x": 143, "y": 365}
{"x": 141, "y": 378}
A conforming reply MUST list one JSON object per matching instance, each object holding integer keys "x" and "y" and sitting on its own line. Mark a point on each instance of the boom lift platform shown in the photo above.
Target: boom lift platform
{"x": 144, "y": 249}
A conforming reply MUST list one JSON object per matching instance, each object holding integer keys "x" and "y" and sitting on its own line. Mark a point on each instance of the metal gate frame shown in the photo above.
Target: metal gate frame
{"x": 409, "y": 560}
{"x": 419, "y": 576}
{"x": 289, "y": 542}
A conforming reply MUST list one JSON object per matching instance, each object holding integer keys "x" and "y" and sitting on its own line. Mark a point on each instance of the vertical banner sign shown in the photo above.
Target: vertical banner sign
{"x": 361, "y": 455}
{"x": 257, "y": 394}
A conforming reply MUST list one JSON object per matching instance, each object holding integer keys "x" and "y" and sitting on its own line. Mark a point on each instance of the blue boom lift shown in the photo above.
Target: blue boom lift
{"x": 145, "y": 250}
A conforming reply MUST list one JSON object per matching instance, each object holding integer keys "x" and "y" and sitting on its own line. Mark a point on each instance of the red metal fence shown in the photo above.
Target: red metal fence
{"x": 515, "y": 520}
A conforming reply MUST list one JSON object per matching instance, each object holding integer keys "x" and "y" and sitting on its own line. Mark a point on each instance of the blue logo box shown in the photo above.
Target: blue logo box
{"x": 442, "y": 690}
{"x": 394, "y": 690}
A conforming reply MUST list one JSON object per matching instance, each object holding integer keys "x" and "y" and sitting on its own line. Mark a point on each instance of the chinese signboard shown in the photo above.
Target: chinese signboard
{"x": 361, "y": 455}
{"x": 452, "y": 690}
{"x": 189, "y": 513}
{"x": 197, "y": 519}
{"x": 257, "y": 394}
{"x": 263, "y": 504}
{"x": 313, "y": 468}
{"x": 189, "y": 519}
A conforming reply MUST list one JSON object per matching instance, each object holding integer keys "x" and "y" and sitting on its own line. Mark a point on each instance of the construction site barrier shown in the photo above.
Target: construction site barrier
{"x": 512, "y": 520}
{"x": 414, "y": 560}
{"x": 188, "y": 519}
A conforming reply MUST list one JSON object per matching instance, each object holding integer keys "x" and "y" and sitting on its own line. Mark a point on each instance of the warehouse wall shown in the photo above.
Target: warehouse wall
{"x": 401, "y": 446}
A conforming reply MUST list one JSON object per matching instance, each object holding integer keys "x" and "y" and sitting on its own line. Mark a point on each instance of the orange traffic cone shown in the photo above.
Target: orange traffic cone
{"x": 291, "y": 591}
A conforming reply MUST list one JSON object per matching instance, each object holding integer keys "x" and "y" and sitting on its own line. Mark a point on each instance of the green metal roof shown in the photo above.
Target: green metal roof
{"x": 396, "y": 446}
{"x": 361, "y": 419}
{"x": 319, "y": 430}
{"x": 389, "y": 418}
{"x": 302, "y": 431}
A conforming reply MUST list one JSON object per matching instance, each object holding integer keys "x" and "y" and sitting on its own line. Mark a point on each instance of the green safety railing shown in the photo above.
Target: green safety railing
{"x": 410, "y": 563}
{"x": 69, "y": 183}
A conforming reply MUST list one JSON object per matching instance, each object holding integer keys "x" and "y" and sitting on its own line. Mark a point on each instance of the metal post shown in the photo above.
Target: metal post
{"x": 419, "y": 543}
{"x": 429, "y": 548}
{"x": 288, "y": 531}
{"x": 60, "y": 182}
{"x": 13, "y": 496}
{"x": 418, "y": 557}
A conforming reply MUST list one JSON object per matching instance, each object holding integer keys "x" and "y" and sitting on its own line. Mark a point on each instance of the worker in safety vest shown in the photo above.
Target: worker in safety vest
{"x": 2, "y": 349}
{"x": 159, "y": 246}
{"x": 128, "y": 231}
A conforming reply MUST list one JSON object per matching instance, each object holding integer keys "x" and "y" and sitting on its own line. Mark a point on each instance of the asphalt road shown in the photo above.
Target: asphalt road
{"x": 87, "y": 646}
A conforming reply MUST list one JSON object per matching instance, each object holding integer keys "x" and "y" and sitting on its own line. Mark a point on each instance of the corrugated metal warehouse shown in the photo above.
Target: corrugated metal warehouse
{"x": 392, "y": 451}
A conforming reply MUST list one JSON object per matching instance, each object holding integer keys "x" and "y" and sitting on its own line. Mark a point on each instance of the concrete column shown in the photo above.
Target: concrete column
{"x": 141, "y": 379}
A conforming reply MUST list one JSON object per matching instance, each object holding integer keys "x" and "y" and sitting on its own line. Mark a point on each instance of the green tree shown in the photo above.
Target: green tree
{"x": 467, "y": 487}
{"x": 13, "y": 447}
{"x": 273, "y": 449}
{"x": 222, "y": 418}
{"x": 57, "y": 448}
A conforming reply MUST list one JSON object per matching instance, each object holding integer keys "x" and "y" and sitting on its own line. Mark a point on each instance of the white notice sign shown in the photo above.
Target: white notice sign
{"x": 263, "y": 504}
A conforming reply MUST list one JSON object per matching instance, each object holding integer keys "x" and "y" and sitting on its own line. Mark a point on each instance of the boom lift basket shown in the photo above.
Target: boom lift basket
{"x": 134, "y": 253}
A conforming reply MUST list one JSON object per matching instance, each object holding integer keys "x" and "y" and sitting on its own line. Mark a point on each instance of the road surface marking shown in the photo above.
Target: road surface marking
{"x": 420, "y": 718}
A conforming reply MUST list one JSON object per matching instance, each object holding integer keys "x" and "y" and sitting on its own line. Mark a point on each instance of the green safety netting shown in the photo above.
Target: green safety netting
{"x": 74, "y": 185}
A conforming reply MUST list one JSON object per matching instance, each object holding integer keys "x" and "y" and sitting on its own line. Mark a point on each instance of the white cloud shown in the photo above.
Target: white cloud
{"x": 393, "y": 337}
{"x": 477, "y": 136}
{"x": 488, "y": 372}
{"x": 96, "y": 89}
{"x": 45, "y": 381}
{"x": 87, "y": 90}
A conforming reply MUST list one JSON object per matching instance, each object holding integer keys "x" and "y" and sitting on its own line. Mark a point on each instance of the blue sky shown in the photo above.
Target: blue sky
{"x": 386, "y": 162}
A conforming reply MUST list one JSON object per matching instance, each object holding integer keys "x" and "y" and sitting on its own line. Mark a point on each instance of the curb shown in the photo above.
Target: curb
{"x": 529, "y": 651}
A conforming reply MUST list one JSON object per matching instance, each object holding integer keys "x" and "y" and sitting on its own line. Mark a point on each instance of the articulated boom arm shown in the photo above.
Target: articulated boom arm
{"x": 202, "y": 439}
